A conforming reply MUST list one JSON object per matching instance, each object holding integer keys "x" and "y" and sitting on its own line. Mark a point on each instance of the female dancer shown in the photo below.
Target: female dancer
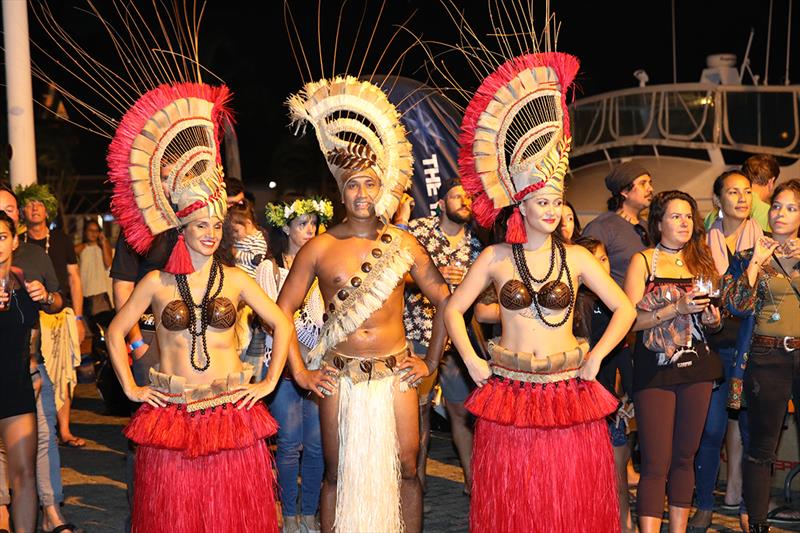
{"x": 734, "y": 231}
{"x": 19, "y": 306}
{"x": 297, "y": 413}
{"x": 542, "y": 459}
{"x": 196, "y": 448}
{"x": 764, "y": 282}
{"x": 198, "y": 445}
{"x": 673, "y": 367}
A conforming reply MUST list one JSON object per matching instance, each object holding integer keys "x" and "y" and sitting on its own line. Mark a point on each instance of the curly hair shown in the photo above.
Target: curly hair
{"x": 697, "y": 254}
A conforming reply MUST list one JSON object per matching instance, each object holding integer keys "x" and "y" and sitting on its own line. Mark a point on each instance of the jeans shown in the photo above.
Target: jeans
{"x": 298, "y": 418}
{"x": 48, "y": 462}
{"x": 706, "y": 463}
{"x": 771, "y": 378}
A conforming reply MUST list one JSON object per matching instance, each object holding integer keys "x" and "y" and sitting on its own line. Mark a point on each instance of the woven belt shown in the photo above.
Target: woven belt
{"x": 522, "y": 366}
{"x": 205, "y": 396}
{"x": 360, "y": 369}
{"x": 789, "y": 344}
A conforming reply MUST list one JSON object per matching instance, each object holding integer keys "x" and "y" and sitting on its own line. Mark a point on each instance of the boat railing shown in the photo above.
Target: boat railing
{"x": 758, "y": 119}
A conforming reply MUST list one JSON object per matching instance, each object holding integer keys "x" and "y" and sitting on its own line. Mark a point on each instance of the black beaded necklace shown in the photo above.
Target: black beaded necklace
{"x": 186, "y": 296}
{"x": 527, "y": 278}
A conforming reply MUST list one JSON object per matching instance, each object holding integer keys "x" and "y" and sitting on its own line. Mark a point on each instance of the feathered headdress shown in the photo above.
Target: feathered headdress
{"x": 164, "y": 158}
{"x": 357, "y": 128}
{"x": 515, "y": 136}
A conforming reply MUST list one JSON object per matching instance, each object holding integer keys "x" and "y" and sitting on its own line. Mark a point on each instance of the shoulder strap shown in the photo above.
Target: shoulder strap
{"x": 646, "y": 263}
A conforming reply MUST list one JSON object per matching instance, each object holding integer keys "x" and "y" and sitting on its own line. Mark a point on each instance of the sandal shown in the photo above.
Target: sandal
{"x": 75, "y": 442}
{"x": 64, "y": 527}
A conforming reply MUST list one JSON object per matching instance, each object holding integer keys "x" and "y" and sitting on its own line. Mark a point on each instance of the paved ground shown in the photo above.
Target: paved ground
{"x": 94, "y": 477}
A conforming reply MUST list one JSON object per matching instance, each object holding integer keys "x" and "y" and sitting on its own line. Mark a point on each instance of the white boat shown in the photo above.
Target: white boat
{"x": 686, "y": 134}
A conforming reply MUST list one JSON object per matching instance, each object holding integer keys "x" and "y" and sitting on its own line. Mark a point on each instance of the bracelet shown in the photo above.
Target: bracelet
{"x": 403, "y": 227}
{"x": 35, "y": 372}
{"x": 78, "y": 317}
{"x": 135, "y": 344}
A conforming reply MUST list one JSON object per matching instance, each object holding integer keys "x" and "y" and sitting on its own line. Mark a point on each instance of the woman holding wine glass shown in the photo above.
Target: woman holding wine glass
{"x": 673, "y": 368}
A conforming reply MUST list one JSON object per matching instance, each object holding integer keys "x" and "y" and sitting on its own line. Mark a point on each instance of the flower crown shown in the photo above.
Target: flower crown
{"x": 280, "y": 214}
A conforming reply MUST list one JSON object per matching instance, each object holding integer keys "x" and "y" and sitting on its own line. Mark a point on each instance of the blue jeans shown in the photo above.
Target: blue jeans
{"x": 706, "y": 462}
{"x": 298, "y": 417}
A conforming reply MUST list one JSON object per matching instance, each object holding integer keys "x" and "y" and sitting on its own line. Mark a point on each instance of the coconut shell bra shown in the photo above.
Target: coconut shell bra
{"x": 519, "y": 294}
{"x": 219, "y": 313}
{"x": 553, "y": 295}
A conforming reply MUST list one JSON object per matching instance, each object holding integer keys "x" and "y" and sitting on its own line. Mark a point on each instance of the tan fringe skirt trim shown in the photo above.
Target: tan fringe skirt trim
{"x": 205, "y": 396}
{"x": 523, "y": 366}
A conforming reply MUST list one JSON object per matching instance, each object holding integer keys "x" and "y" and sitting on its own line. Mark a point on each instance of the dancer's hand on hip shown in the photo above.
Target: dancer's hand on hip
{"x": 417, "y": 370}
{"x": 591, "y": 366}
{"x": 321, "y": 382}
{"x": 249, "y": 396}
{"x": 479, "y": 371}
{"x": 147, "y": 395}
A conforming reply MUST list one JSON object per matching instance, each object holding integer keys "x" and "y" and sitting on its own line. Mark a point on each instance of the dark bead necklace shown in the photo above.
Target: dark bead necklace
{"x": 525, "y": 274}
{"x": 186, "y": 296}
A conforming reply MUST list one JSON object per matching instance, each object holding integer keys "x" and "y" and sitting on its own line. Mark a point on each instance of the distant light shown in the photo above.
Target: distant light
{"x": 784, "y": 135}
{"x": 108, "y": 217}
{"x": 272, "y": 185}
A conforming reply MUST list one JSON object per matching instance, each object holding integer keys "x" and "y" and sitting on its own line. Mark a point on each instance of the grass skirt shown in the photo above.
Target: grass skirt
{"x": 209, "y": 471}
{"x": 368, "y": 484}
{"x": 542, "y": 459}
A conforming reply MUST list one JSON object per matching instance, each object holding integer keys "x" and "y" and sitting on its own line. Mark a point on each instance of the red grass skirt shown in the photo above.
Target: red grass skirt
{"x": 542, "y": 458}
{"x": 210, "y": 473}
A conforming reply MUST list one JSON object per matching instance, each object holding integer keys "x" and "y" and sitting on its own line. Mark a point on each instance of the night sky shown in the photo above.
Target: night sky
{"x": 246, "y": 44}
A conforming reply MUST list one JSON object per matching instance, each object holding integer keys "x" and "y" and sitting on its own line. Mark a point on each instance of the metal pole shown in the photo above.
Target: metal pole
{"x": 19, "y": 93}
{"x": 674, "y": 48}
{"x": 788, "y": 41}
{"x": 769, "y": 38}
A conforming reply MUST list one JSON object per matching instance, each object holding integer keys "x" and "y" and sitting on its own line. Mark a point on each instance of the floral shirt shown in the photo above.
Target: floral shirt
{"x": 418, "y": 314}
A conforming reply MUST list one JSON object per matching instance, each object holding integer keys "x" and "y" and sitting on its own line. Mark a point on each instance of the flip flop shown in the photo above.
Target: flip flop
{"x": 72, "y": 528}
{"x": 76, "y": 442}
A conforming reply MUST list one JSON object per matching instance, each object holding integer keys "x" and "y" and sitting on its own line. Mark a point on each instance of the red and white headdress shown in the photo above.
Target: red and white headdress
{"x": 164, "y": 158}
{"x": 515, "y": 135}
{"x": 164, "y": 162}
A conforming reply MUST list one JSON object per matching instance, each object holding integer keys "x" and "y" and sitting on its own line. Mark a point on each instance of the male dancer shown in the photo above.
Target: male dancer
{"x": 369, "y": 413}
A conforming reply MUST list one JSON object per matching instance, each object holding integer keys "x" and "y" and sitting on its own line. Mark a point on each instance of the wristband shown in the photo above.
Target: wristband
{"x": 135, "y": 344}
{"x": 403, "y": 227}
{"x": 78, "y": 317}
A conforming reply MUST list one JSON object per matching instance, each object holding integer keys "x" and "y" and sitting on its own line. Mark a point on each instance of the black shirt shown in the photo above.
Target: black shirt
{"x": 36, "y": 266}
{"x": 62, "y": 253}
{"x": 130, "y": 266}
